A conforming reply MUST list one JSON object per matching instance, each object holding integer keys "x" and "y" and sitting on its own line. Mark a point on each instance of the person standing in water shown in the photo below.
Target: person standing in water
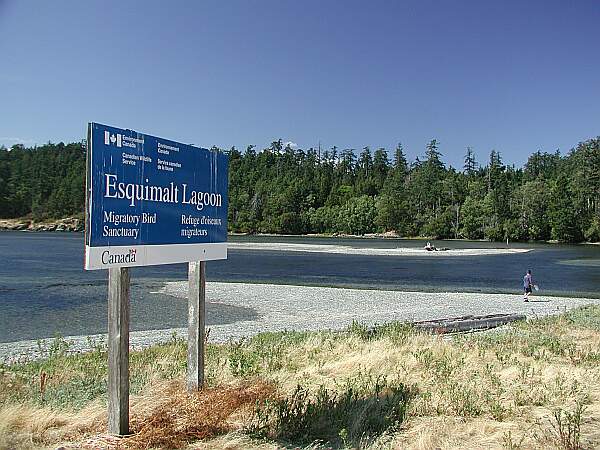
{"x": 527, "y": 285}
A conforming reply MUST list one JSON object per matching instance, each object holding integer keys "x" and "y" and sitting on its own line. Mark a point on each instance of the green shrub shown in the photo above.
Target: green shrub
{"x": 362, "y": 409}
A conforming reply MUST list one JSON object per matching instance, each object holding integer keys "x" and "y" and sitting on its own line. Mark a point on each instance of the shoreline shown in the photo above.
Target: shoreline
{"x": 76, "y": 225}
{"x": 308, "y": 308}
{"x": 66, "y": 224}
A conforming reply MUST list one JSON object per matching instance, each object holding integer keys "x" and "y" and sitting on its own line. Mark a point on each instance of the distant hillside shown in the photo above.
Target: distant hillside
{"x": 293, "y": 191}
{"x": 45, "y": 182}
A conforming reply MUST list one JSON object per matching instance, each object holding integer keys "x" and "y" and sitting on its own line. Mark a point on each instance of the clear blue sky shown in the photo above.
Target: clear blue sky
{"x": 516, "y": 76}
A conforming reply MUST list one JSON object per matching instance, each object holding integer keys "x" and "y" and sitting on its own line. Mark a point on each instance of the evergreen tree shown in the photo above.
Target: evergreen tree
{"x": 400, "y": 163}
{"x": 470, "y": 166}
{"x": 562, "y": 213}
{"x": 381, "y": 166}
{"x": 283, "y": 189}
{"x": 534, "y": 198}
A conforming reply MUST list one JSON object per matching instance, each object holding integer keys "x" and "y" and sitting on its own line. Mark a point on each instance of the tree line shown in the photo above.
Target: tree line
{"x": 281, "y": 189}
{"x": 43, "y": 182}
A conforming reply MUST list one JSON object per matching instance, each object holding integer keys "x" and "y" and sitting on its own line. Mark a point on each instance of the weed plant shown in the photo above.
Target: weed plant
{"x": 567, "y": 427}
{"x": 363, "y": 408}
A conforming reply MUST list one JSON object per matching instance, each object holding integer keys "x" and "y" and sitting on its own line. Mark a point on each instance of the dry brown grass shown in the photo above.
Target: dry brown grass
{"x": 494, "y": 390}
{"x": 180, "y": 418}
{"x": 165, "y": 416}
{"x": 472, "y": 394}
{"x": 26, "y": 426}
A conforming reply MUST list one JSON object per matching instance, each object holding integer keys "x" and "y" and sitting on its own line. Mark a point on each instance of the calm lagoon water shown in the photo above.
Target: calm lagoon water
{"x": 44, "y": 290}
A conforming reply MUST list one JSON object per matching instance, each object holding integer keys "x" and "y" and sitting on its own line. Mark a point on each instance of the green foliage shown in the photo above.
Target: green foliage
{"x": 531, "y": 202}
{"x": 592, "y": 232}
{"x": 440, "y": 226}
{"x": 584, "y": 317}
{"x": 295, "y": 191}
{"x": 562, "y": 212}
{"x": 70, "y": 381}
{"x": 364, "y": 407}
{"x": 45, "y": 182}
{"x": 357, "y": 216}
{"x": 472, "y": 218}
{"x": 397, "y": 332}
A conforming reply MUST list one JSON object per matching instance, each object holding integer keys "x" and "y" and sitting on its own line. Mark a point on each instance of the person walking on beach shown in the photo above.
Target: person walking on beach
{"x": 527, "y": 285}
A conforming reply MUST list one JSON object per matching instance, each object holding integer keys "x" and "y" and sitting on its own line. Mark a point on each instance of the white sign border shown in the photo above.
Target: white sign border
{"x": 153, "y": 255}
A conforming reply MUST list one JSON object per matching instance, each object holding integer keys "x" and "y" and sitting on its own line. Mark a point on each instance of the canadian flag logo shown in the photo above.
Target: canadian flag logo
{"x": 112, "y": 139}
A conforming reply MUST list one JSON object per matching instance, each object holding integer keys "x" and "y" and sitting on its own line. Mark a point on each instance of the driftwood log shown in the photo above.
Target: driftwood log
{"x": 467, "y": 323}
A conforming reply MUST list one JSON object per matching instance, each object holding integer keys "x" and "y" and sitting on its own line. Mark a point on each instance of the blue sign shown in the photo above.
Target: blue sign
{"x": 152, "y": 200}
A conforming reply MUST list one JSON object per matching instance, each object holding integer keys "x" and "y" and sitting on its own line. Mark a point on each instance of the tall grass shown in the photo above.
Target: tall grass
{"x": 337, "y": 389}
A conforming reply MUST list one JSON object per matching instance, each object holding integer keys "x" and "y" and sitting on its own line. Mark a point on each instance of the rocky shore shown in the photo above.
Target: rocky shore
{"x": 25, "y": 224}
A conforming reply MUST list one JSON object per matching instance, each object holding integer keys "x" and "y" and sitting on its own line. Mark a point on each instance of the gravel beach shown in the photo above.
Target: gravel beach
{"x": 284, "y": 307}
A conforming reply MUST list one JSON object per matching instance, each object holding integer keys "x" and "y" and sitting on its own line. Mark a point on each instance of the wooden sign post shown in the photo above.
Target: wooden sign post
{"x": 118, "y": 340}
{"x": 118, "y": 350}
{"x": 161, "y": 202}
{"x": 196, "y": 325}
